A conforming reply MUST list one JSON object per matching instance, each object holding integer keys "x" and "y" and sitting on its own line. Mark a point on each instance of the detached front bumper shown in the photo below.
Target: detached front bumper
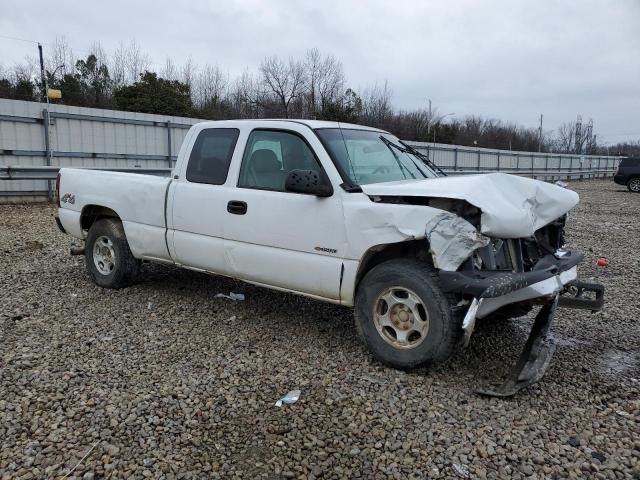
{"x": 552, "y": 283}
{"x": 552, "y": 275}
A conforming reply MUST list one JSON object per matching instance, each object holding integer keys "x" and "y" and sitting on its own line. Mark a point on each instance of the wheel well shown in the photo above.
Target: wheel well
{"x": 418, "y": 249}
{"x": 91, "y": 213}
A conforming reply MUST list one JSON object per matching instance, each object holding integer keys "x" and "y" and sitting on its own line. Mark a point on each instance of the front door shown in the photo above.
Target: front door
{"x": 289, "y": 240}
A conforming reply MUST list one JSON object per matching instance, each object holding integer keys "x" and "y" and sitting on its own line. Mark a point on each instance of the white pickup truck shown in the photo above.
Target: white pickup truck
{"x": 346, "y": 214}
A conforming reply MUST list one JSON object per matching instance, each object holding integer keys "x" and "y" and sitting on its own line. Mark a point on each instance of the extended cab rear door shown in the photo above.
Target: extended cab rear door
{"x": 286, "y": 240}
{"x": 197, "y": 199}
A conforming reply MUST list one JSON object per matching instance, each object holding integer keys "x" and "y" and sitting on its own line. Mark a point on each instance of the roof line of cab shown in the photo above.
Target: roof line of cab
{"x": 311, "y": 124}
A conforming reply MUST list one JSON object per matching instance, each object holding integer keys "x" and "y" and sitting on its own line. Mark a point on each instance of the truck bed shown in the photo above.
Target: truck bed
{"x": 138, "y": 199}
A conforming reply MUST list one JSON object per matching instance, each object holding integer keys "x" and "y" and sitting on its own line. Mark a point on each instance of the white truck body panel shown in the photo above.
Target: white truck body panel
{"x": 139, "y": 201}
{"x": 289, "y": 241}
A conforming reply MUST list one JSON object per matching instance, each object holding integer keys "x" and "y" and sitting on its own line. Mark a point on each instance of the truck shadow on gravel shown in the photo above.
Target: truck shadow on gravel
{"x": 276, "y": 313}
{"x": 329, "y": 329}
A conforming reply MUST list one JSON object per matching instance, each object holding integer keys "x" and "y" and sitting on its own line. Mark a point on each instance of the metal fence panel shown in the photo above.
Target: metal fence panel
{"x": 543, "y": 166}
{"x": 82, "y": 137}
{"x": 97, "y": 138}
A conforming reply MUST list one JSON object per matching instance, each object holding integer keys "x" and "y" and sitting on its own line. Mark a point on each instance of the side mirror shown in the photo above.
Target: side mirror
{"x": 309, "y": 182}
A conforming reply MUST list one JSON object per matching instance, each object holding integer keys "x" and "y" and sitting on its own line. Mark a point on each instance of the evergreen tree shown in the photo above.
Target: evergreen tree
{"x": 154, "y": 95}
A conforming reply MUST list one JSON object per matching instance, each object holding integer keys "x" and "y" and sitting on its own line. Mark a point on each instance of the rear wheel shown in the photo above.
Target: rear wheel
{"x": 108, "y": 257}
{"x": 402, "y": 315}
{"x": 634, "y": 185}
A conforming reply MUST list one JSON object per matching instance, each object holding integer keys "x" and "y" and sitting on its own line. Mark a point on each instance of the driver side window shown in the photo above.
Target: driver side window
{"x": 269, "y": 157}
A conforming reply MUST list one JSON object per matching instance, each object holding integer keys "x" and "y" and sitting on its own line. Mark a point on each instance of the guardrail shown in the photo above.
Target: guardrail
{"x": 18, "y": 172}
{"x": 49, "y": 173}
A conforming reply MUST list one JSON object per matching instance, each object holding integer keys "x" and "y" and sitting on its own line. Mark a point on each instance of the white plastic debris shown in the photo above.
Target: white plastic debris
{"x": 469, "y": 322}
{"x": 232, "y": 296}
{"x": 562, "y": 184}
{"x": 460, "y": 470}
{"x": 291, "y": 397}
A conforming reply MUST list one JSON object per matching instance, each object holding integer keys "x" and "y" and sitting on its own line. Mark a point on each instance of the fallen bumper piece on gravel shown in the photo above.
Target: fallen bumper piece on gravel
{"x": 534, "y": 359}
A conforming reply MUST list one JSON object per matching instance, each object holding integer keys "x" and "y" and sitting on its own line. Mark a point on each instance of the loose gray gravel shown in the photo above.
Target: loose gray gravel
{"x": 163, "y": 380}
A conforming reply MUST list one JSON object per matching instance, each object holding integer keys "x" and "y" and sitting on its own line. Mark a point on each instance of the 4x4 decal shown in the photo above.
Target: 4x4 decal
{"x": 68, "y": 198}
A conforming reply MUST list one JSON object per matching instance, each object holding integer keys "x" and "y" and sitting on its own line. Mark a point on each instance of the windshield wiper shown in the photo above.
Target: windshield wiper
{"x": 422, "y": 157}
{"x": 390, "y": 144}
{"x": 402, "y": 167}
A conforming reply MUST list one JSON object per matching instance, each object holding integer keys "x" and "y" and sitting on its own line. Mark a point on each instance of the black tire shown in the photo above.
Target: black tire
{"x": 444, "y": 327}
{"x": 634, "y": 185}
{"x": 123, "y": 269}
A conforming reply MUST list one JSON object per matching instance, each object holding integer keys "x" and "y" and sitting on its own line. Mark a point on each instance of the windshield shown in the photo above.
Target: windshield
{"x": 372, "y": 157}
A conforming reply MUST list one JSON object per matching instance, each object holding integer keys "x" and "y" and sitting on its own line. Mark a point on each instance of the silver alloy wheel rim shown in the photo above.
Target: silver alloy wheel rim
{"x": 634, "y": 184}
{"x": 104, "y": 256}
{"x": 401, "y": 318}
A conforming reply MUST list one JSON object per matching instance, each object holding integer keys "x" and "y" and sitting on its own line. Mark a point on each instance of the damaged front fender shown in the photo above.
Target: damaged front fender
{"x": 452, "y": 240}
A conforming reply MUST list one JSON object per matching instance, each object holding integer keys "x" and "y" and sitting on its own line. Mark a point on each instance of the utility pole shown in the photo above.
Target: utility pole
{"x": 47, "y": 122}
{"x": 578, "y": 137}
{"x": 429, "y": 120}
{"x": 540, "y": 135}
{"x": 43, "y": 76}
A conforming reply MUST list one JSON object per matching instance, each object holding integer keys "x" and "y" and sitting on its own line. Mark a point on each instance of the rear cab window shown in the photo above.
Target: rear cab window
{"x": 211, "y": 155}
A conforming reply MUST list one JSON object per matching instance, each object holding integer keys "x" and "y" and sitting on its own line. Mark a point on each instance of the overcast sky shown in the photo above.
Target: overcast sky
{"x": 506, "y": 59}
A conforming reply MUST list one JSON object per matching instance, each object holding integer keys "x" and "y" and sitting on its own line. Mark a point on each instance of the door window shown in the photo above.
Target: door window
{"x": 211, "y": 155}
{"x": 270, "y": 156}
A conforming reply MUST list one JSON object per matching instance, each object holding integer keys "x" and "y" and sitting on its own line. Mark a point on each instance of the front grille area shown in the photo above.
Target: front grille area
{"x": 519, "y": 255}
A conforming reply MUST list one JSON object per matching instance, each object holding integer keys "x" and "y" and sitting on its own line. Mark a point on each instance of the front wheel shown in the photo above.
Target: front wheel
{"x": 634, "y": 185}
{"x": 402, "y": 315}
{"x": 109, "y": 260}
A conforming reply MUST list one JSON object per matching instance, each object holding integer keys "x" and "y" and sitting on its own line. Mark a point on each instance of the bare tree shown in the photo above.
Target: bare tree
{"x": 324, "y": 82}
{"x": 117, "y": 66}
{"x": 210, "y": 86}
{"x": 575, "y": 138}
{"x": 169, "y": 70}
{"x": 60, "y": 59}
{"x": 246, "y": 96}
{"x": 630, "y": 148}
{"x": 189, "y": 72}
{"x": 564, "y": 141}
{"x": 285, "y": 81}
{"x": 376, "y": 106}
{"x": 26, "y": 71}
{"x": 100, "y": 53}
{"x": 128, "y": 63}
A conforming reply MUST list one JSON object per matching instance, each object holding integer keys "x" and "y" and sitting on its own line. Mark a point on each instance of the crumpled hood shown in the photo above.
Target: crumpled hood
{"x": 512, "y": 206}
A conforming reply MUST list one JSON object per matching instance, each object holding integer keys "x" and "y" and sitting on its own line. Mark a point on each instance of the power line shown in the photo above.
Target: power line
{"x": 21, "y": 39}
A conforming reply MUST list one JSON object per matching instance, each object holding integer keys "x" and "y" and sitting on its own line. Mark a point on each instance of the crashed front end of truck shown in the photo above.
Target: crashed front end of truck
{"x": 497, "y": 242}
{"x": 511, "y": 276}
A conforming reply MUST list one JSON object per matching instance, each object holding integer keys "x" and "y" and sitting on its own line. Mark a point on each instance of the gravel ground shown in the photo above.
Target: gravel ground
{"x": 163, "y": 380}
